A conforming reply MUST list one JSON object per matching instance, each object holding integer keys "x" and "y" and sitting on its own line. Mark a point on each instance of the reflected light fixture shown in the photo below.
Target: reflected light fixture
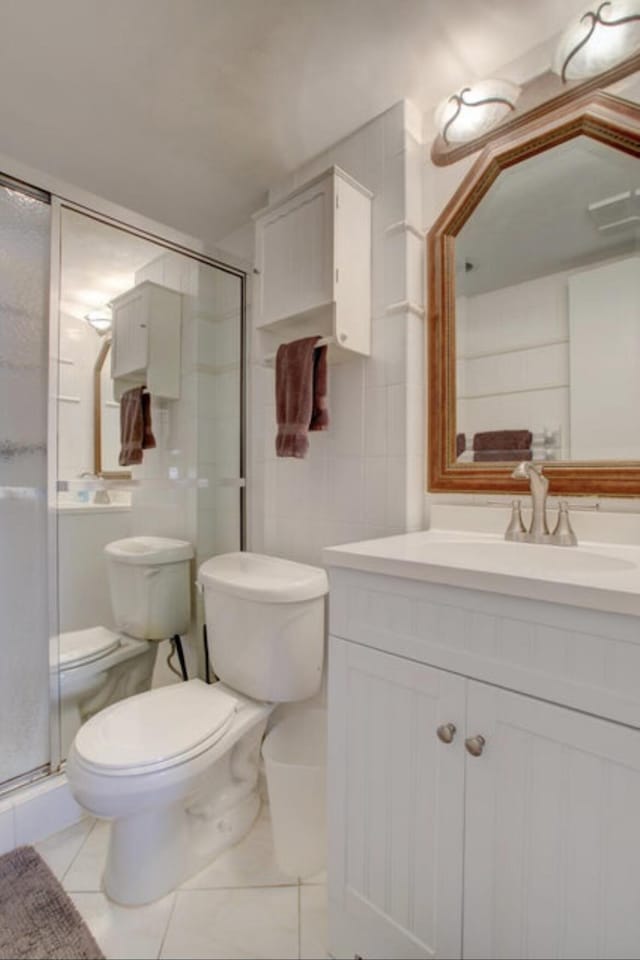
{"x": 602, "y": 38}
{"x": 475, "y": 109}
{"x": 100, "y": 320}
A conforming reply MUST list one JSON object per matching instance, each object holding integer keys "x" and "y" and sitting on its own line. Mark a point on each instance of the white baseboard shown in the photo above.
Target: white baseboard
{"x": 36, "y": 811}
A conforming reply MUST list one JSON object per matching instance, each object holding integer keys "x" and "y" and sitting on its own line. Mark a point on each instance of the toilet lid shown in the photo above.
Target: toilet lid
{"x": 82, "y": 646}
{"x": 156, "y": 729}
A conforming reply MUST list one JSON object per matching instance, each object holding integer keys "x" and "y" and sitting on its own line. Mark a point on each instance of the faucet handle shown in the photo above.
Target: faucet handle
{"x": 516, "y": 529}
{"x": 563, "y": 534}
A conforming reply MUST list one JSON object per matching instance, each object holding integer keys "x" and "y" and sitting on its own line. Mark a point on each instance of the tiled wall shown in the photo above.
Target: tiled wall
{"x": 364, "y": 477}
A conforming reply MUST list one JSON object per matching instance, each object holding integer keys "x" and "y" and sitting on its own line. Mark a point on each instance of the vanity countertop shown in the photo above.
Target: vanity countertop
{"x": 598, "y": 576}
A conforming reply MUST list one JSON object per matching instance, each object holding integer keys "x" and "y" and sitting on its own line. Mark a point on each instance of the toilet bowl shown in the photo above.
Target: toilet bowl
{"x": 150, "y": 593}
{"x": 176, "y": 769}
{"x": 97, "y": 667}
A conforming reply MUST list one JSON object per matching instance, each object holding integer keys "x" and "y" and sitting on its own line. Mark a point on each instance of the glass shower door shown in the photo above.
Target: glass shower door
{"x": 25, "y": 223}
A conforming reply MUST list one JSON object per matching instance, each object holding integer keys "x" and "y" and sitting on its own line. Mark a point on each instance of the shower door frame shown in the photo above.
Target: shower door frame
{"x": 66, "y": 197}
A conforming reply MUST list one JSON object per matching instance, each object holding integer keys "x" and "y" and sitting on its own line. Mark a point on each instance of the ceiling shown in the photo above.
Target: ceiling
{"x": 98, "y": 262}
{"x": 188, "y": 110}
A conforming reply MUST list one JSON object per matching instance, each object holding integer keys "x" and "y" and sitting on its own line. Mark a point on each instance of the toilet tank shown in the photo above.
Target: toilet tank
{"x": 150, "y": 586}
{"x": 265, "y": 624}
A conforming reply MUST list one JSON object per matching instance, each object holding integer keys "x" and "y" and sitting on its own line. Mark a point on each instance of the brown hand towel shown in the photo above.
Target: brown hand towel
{"x": 503, "y": 440}
{"x": 301, "y": 395}
{"x": 461, "y": 444}
{"x": 136, "y": 434}
{"x": 487, "y": 456}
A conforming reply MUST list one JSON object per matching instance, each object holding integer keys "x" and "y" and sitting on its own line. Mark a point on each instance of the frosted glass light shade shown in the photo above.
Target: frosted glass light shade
{"x": 100, "y": 320}
{"x": 475, "y": 109}
{"x": 603, "y": 36}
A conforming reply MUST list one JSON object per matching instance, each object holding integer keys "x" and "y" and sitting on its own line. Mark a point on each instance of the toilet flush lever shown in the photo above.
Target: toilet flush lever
{"x": 446, "y": 732}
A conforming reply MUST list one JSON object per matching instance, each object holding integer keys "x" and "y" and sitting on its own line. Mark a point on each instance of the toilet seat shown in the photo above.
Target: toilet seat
{"x": 157, "y": 729}
{"x": 78, "y": 647}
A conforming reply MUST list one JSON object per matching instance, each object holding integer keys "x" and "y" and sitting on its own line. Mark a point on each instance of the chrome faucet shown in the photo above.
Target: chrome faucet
{"x": 539, "y": 486}
{"x": 563, "y": 535}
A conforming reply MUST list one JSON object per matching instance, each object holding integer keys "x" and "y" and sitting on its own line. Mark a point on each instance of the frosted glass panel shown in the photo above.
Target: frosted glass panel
{"x": 24, "y": 641}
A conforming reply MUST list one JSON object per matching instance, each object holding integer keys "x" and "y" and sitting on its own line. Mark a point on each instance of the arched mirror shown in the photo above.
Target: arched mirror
{"x": 106, "y": 420}
{"x": 534, "y": 309}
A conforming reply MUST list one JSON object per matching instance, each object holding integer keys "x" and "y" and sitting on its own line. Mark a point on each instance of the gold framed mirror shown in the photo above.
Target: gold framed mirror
{"x": 534, "y": 308}
{"x": 105, "y": 429}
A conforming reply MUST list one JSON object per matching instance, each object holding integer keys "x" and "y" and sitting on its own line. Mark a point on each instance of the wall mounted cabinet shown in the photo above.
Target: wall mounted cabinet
{"x": 313, "y": 263}
{"x": 145, "y": 349}
{"x": 469, "y": 816}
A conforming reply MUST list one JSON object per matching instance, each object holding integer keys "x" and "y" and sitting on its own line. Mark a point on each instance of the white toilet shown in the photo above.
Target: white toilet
{"x": 176, "y": 768}
{"x": 150, "y": 590}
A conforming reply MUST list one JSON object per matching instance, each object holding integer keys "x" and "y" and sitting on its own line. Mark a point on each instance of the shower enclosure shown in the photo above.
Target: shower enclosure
{"x": 59, "y": 417}
{"x": 25, "y": 226}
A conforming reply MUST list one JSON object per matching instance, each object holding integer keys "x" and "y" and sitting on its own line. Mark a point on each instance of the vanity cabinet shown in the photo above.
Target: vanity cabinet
{"x": 469, "y": 816}
{"x": 313, "y": 262}
{"x": 145, "y": 348}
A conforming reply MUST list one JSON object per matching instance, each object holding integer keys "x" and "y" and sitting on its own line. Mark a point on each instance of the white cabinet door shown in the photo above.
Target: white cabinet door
{"x": 552, "y": 835}
{"x": 130, "y": 335}
{"x": 295, "y": 254}
{"x": 395, "y": 806}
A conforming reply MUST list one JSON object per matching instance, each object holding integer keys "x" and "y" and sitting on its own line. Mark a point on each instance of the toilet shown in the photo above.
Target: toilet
{"x": 176, "y": 768}
{"x": 150, "y": 590}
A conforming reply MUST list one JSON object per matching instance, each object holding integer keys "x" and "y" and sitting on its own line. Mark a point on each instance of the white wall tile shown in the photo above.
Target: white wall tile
{"x": 359, "y": 478}
{"x": 376, "y": 422}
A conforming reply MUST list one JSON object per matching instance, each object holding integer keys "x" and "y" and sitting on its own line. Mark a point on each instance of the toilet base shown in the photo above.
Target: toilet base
{"x": 153, "y": 851}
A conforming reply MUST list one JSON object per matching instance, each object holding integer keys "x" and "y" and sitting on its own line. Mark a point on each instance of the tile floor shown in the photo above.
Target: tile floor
{"x": 240, "y": 906}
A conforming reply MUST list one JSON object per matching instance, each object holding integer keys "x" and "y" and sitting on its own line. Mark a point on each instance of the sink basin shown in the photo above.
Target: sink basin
{"x": 600, "y": 576}
{"x": 526, "y": 559}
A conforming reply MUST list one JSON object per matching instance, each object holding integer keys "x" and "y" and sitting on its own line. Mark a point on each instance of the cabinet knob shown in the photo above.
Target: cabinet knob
{"x": 475, "y": 745}
{"x": 446, "y": 732}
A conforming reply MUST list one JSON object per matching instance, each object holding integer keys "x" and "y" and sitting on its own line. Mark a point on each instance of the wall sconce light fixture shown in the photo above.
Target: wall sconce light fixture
{"x": 473, "y": 110}
{"x": 598, "y": 50}
{"x": 602, "y": 38}
{"x": 100, "y": 320}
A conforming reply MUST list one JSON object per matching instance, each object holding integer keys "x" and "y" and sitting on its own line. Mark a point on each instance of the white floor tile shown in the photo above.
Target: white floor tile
{"x": 313, "y": 922}
{"x": 230, "y": 924}
{"x": 60, "y": 850}
{"x": 251, "y": 863}
{"x": 125, "y": 933}
{"x": 85, "y": 873}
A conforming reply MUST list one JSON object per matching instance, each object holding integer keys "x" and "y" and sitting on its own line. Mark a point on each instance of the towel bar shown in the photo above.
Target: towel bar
{"x": 270, "y": 359}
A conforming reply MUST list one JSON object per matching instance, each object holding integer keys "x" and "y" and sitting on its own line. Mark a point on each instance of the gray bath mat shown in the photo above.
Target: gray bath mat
{"x": 38, "y": 921}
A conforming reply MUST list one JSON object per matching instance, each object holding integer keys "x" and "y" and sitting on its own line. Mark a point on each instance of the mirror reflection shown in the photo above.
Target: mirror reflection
{"x": 131, "y": 527}
{"x": 548, "y": 311}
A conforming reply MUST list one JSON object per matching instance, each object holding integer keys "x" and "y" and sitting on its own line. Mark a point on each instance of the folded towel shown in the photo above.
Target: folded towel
{"x": 486, "y": 456}
{"x": 461, "y": 444}
{"x": 301, "y": 395}
{"x": 503, "y": 440}
{"x": 136, "y": 434}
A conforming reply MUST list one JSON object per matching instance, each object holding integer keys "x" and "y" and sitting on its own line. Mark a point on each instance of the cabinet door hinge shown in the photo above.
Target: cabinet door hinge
{"x": 337, "y": 274}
